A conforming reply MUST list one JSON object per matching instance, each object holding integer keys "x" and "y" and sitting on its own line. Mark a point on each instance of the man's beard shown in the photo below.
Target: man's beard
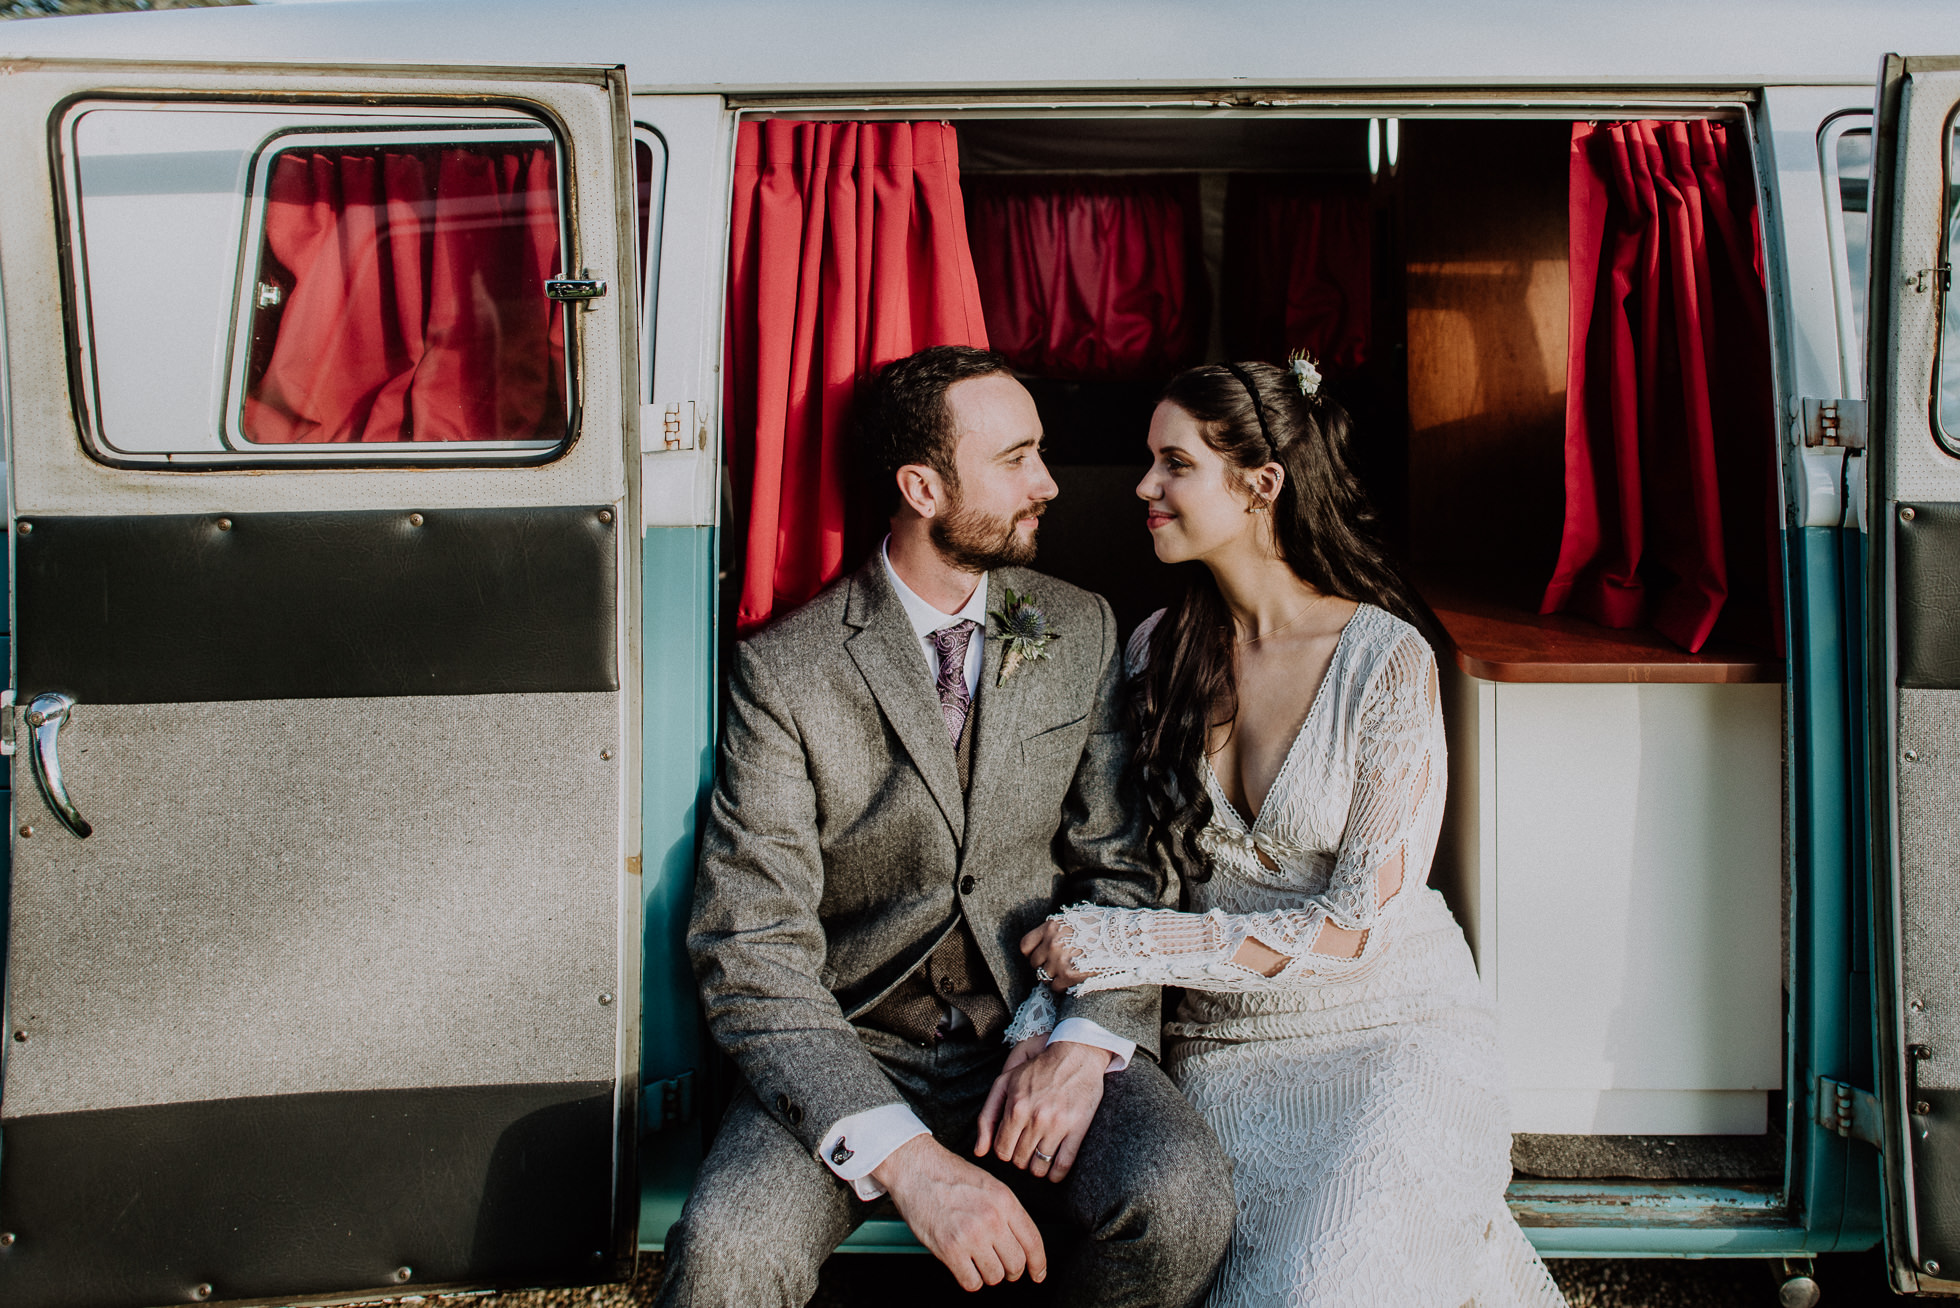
{"x": 975, "y": 542}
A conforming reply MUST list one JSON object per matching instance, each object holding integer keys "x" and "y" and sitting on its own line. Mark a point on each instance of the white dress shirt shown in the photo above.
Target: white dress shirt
{"x": 870, "y": 1137}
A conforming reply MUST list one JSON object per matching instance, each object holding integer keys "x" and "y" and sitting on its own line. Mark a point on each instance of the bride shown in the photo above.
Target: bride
{"x": 1332, "y": 1031}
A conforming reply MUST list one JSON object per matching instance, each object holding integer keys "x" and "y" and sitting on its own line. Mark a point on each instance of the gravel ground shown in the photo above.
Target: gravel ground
{"x": 882, "y": 1279}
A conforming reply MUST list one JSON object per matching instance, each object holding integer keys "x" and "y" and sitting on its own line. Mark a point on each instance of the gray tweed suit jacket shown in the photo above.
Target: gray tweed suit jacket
{"x": 839, "y": 847}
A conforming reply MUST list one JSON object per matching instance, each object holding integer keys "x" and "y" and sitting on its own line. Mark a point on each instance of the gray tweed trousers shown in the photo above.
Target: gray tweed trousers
{"x": 1144, "y": 1217}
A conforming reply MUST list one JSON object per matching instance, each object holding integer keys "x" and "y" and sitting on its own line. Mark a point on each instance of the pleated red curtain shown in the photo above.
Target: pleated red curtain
{"x": 1670, "y": 490}
{"x": 1090, "y": 278}
{"x": 1297, "y": 269}
{"x": 409, "y": 299}
{"x": 848, "y": 250}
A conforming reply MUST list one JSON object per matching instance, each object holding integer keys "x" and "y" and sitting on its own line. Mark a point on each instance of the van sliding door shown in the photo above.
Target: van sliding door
{"x": 322, "y": 969}
{"x": 1913, "y": 387}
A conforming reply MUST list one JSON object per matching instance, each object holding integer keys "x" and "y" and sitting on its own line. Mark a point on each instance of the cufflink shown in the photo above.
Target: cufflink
{"x": 840, "y": 1155}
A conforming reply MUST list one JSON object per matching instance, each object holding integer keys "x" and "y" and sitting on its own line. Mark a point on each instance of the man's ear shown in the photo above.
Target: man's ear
{"x": 922, "y": 490}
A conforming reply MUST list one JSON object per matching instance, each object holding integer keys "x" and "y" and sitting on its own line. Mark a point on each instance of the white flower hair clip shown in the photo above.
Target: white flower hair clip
{"x": 1305, "y": 374}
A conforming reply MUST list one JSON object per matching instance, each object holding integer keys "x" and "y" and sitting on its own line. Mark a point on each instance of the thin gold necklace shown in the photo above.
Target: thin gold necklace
{"x": 1289, "y": 622}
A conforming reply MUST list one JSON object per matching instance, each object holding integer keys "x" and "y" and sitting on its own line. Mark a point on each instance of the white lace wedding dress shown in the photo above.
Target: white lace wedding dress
{"x": 1361, "y": 1099}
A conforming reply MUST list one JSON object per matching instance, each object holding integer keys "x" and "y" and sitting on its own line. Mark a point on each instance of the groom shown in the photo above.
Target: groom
{"x": 899, "y": 801}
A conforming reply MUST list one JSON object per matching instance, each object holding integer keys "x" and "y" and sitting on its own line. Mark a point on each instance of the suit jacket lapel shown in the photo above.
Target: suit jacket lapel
{"x": 1001, "y": 710}
{"x": 888, "y": 656}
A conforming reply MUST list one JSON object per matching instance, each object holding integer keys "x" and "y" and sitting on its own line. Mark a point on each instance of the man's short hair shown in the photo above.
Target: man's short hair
{"x": 903, "y": 419}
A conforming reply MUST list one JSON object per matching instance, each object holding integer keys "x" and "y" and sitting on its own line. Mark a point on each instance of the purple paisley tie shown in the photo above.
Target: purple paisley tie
{"x": 954, "y": 701}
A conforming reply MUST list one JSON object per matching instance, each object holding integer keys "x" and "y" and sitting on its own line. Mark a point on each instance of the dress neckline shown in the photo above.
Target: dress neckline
{"x": 1292, "y": 749}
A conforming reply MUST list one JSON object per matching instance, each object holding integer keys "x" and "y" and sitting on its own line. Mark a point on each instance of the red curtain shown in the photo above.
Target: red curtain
{"x": 1670, "y": 489}
{"x": 411, "y": 299}
{"x": 849, "y": 250}
{"x": 1297, "y": 269}
{"x": 1090, "y": 278}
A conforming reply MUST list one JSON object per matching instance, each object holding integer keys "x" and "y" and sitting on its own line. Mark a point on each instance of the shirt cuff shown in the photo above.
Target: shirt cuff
{"x": 858, "y": 1143}
{"x": 1082, "y": 1031}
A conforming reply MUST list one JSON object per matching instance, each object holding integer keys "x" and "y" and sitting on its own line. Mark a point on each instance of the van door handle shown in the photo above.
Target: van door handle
{"x": 45, "y": 717}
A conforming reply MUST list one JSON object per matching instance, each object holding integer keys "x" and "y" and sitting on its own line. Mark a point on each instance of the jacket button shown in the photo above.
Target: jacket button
{"x": 966, "y": 885}
{"x": 795, "y": 1114}
{"x": 945, "y": 985}
{"x": 782, "y": 1103}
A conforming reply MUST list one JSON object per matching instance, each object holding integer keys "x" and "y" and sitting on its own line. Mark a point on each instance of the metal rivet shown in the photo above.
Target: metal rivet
{"x": 414, "y": 519}
{"x": 7, "y": 1239}
{"x": 1910, "y": 756}
{"x": 36, "y": 718}
{"x": 20, "y": 1037}
{"x": 1922, "y": 1107}
{"x": 605, "y": 753}
{"x": 403, "y": 1273}
{"x": 1917, "y": 1005}
{"x": 26, "y": 831}
{"x": 1906, "y": 514}
{"x": 26, "y": 527}
{"x": 605, "y": 997}
{"x": 605, "y": 515}
{"x": 1932, "y": 1267}
{"x": 201, "y": 1292}
{"x": 224, "y": 524}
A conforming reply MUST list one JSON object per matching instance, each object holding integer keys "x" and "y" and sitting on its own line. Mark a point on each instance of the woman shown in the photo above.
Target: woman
{"x": 1333, "y": 1030}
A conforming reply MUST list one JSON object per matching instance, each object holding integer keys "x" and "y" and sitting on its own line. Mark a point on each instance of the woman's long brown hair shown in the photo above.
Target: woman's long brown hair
{"x": 1325, "y": 529}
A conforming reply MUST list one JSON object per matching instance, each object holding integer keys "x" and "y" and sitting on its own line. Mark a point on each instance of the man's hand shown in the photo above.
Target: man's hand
{"x": 1043, "y": 1105}
{"x": 967, "y": 1219}
{"x": 1049, "y": 947}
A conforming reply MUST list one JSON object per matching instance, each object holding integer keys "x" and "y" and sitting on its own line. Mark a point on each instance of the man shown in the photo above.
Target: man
{"x": 902, "y": 797}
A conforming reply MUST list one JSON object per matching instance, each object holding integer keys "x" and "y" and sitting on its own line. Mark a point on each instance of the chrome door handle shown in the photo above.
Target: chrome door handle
{"x": 44, "y": 718}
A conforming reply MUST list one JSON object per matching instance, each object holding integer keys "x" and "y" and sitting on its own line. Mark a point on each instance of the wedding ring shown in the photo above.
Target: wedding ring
{"x": 1046, "y": 1158}
{"x": 1041, "y": 974}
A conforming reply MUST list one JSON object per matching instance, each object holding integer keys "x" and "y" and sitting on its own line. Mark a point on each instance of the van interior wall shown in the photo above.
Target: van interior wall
{"x": 1483, "y": 221}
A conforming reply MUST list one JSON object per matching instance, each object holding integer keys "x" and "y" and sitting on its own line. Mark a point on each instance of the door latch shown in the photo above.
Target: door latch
{"x": 583, "y": 289}
{"x": 1849, "y": 1111}
{"x": 1836, "y": 424}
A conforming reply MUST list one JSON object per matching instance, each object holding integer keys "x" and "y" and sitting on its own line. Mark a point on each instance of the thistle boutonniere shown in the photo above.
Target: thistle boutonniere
{"x": 1023, "y": 628}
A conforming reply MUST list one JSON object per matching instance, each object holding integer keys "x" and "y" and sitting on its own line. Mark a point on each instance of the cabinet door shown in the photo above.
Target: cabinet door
{"x": 322, "y": 967}
{"x": 1913, "y": 386}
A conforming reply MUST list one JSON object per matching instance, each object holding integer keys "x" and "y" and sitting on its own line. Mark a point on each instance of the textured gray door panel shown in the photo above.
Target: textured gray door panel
{"x": 1929, "y": 875}
{"x": 295, "y": 896}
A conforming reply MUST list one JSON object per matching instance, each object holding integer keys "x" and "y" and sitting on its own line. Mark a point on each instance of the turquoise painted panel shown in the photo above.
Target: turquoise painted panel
{"x": 678, "y": 567}
{"x": 1834, "y": 1182}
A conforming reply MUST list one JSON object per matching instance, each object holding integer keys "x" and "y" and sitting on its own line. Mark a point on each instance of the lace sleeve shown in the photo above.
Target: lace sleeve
{"x": 1389, "y": 838}
{"x": 1036, "y": 1016}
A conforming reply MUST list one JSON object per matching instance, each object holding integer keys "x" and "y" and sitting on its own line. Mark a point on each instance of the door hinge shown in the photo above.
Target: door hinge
{"x": 1851, "y": 1112}
{"x": 1839, "y": 424}
{"x": 6, "y": 722}
{"x": 1940, "y": 276}
{"x": 669, "y": 1103}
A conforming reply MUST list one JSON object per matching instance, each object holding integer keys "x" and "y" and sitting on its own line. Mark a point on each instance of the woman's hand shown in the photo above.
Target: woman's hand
{"x": 1048, "y": 948}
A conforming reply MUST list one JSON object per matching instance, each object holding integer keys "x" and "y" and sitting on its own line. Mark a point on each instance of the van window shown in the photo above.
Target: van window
{"x": 1947, "y": 401}
{"x": 268, "y": 283}
{"x": 1845, "y": 150}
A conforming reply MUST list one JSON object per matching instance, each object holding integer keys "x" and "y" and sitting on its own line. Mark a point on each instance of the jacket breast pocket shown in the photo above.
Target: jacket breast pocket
{"x": 1055, "y": 742}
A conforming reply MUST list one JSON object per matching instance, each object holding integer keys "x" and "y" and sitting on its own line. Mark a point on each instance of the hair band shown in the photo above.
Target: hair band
{"x": 1258, "y": 409}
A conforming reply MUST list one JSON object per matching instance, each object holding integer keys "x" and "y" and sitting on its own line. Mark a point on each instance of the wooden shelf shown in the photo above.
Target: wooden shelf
{"x": 1501, "y": 640}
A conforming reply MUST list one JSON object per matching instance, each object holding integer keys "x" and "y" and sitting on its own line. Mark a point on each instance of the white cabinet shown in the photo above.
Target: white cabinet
{"x": 1615, "y": 853}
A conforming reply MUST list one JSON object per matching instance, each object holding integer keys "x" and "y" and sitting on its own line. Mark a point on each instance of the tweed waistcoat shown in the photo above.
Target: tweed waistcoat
{"x": 953, "y": 975}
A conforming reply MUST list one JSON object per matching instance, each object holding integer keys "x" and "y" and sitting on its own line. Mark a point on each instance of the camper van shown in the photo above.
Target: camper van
{"x": 408, "y": 403}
